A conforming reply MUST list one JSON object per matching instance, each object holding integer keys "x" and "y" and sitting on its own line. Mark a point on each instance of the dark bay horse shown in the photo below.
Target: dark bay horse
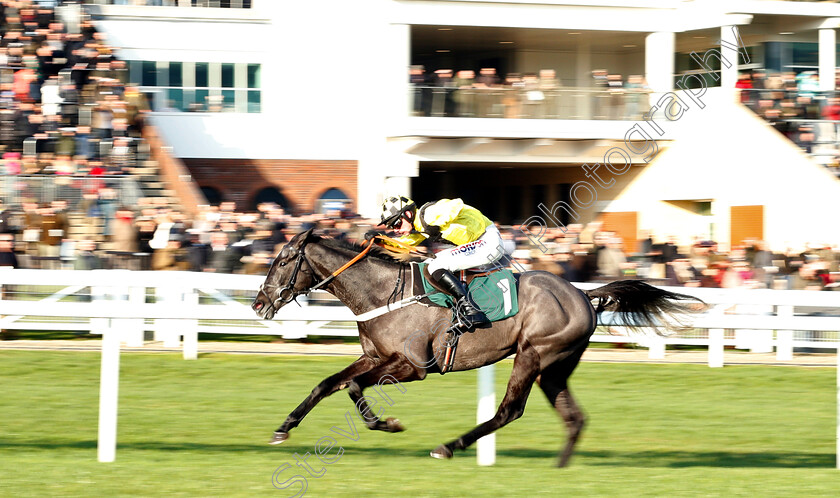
{"x": 548, "y": 335}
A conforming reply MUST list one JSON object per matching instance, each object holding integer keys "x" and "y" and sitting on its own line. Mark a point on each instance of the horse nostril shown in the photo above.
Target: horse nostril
{"x": 258, "y": 305}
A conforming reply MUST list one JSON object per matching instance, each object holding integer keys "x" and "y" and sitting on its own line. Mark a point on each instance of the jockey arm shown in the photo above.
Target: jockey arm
{"x": 456, "y": 223}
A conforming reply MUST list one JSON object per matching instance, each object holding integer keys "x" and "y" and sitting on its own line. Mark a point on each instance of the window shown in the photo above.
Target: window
{"x": 227, "y": 75}
{"x": 253, "y": 101}
{"x": 201, "y": 72}
{"x": 149, "y": 77}
{"x": 175, "y": 74}
{"x": 253, "y": 75}
{"x": 199, "y": 86}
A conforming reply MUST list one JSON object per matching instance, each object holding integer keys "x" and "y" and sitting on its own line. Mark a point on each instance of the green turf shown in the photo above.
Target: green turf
{"x": 198, "y": 428}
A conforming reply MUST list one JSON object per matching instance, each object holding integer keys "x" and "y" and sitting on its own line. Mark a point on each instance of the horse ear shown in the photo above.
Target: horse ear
{"x": 302, "y": 237}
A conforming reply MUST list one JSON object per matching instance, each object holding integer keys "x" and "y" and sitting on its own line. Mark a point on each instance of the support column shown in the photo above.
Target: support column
{"x": 827, "y": 58}
{"x": 729, "y": 75}
{"x": 399, "y": 57}
{"x": 397, "y": 185}
{"x": 659, "y": 61}
{"x": 583, "y": 70}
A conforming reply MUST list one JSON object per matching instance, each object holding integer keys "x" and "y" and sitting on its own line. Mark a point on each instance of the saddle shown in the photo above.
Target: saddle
{"x": 495, "y": 292}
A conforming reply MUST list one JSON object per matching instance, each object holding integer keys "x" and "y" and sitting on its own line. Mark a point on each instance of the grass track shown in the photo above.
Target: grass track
{"x": 199, "y": 428}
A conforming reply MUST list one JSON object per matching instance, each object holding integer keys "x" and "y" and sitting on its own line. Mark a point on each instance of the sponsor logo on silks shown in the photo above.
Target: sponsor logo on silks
{"x": 468, "y": 248}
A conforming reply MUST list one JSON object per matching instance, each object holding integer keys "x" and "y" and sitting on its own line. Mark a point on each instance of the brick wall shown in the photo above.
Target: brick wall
{"x": 301, "y": 182}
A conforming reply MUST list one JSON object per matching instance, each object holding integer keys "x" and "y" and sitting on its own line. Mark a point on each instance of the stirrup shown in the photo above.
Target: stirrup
{"x": 470, "y": 321}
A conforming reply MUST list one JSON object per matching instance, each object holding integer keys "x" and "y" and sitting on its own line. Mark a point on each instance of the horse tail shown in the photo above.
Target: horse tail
{"x": 639, "y": 305}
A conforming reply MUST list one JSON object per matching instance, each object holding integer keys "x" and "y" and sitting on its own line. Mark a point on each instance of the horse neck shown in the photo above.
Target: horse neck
{"x": 365, "y": 285}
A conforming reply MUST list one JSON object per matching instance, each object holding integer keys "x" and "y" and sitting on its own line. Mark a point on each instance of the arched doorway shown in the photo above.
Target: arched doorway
{"x": 270, "y": 194}
{"x": 333, "y": 200}
{"x": 213, "y": 195}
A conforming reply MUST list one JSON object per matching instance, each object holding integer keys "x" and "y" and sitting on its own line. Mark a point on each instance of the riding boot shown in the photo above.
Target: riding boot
{"x": 467, "y": 312}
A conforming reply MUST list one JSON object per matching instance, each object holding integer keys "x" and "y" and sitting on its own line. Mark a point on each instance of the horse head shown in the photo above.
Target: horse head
{"x": 289, "y": 276}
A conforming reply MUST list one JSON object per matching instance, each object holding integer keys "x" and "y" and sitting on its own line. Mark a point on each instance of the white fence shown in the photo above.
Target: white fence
{"x": 173, "y": 305}
{"x": 122, "y": 305}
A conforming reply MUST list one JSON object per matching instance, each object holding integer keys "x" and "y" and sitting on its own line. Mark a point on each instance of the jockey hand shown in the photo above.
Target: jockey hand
{"x": 433, "y": 231}
{"x": 373, "y": 233}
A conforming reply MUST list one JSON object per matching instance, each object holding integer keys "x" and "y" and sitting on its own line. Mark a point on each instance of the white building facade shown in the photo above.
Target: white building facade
{"x": 301, "y": 94}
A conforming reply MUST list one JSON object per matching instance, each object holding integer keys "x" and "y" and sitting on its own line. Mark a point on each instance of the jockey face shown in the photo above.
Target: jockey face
{"x": 405, "y": 226}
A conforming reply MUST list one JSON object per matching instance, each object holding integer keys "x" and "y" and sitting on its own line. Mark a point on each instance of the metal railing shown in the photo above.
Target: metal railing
{"x": 536, "y": 103}
{"x": 223, "y": 4}
{"x": 47, "y": 188}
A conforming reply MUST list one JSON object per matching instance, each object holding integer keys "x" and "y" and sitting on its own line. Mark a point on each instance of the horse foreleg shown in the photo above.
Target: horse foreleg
{"x": 525, "y": 371}
{"x": 394, "y": 370}
{"x": 328, "y": 386}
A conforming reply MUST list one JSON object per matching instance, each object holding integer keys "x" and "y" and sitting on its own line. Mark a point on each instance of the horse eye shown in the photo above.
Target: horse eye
{"x": 283, "y": 263}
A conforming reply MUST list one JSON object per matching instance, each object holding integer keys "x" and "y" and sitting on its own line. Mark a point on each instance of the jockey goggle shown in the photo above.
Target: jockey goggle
{"x": 394, "y": 221}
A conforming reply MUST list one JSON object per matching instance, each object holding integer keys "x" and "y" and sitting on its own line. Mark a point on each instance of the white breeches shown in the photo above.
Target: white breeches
{"x": 484, "y": 251}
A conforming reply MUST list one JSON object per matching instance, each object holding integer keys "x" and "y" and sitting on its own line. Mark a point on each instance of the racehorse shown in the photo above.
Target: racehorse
{"x": 548, "y": 335}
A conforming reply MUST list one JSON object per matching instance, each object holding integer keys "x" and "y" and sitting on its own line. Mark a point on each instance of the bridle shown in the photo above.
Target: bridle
{"x": 287, "y": 293}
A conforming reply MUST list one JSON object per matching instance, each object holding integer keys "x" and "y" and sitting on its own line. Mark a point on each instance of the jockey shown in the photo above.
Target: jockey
{"x": 476, "y": 238}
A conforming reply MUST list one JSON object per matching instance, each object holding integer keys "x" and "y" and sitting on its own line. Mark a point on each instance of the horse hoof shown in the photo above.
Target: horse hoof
{"x": 441, "y": 452}
{"x": 394, "y": 425}
{"x": 279, "y": 437}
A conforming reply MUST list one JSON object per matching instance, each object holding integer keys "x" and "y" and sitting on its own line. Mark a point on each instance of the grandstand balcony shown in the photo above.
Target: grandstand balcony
{"x": 335, "y": 84}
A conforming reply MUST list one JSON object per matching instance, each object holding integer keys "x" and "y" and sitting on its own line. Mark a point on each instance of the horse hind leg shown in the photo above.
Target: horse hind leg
{"x": 525, "y": 371}
{"x": 553, "y": 382}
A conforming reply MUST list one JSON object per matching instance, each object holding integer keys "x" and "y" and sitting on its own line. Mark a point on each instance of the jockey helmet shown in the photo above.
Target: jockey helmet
{"x": 394, "y": 208}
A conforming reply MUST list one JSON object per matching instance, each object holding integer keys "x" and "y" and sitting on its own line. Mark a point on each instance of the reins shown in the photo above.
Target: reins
{"x": 344, "y": 267}
{"x": 396, "y": 246}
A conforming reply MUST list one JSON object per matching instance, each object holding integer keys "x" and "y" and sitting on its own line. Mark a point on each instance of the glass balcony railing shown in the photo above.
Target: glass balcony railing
{"x": 809, "y": 118}
{"x": 522, "y": 103}
{"x": 223, "y": 4}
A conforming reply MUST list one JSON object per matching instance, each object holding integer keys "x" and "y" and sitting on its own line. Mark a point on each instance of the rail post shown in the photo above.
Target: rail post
{"x": 486, "y": 446}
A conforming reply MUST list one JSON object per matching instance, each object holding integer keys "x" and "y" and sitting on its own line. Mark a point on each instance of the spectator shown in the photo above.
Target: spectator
{"x": 220, "y": 259}
{"x": 611, "y": 259}
{"x": 7, "y": 254}
{"x": 124, "y": 236}
{"x": 86, "y": 257}
{"x": 53, "y": 227}
{"x": 5, "y": 218}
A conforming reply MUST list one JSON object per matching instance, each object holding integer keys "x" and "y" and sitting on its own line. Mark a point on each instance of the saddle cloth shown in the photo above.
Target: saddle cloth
{"x": 495, "y": 293}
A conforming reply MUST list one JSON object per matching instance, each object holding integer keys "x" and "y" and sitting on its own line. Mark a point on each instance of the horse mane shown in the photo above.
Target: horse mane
{"x": 376, "y": 251}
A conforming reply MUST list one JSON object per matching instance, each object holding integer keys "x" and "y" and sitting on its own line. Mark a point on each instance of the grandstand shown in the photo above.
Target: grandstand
{"x": 285, "y": 88}
{"x": 512, "y": 106}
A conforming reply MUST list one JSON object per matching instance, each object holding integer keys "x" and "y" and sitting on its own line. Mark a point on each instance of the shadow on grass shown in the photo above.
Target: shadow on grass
{"x": 724, "y": 459}
{"x": 210, "y": 447}
{"x": 661, "y": 459}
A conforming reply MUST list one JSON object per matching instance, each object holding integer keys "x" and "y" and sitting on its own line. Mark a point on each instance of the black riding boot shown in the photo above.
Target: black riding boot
{"x": 466, "y": 310}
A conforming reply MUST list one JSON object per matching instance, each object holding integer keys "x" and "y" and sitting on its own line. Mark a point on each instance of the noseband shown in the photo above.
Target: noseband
{"x": 287, "y": 293}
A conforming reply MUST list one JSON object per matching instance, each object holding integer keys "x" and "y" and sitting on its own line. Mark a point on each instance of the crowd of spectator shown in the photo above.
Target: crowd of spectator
{"x": 588, "y": 253}
{"x": 65, "y": 107}
{"x": 795, "y": 106}
{"x": 224, "y": 239}
{"x": 465, "y": 93}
